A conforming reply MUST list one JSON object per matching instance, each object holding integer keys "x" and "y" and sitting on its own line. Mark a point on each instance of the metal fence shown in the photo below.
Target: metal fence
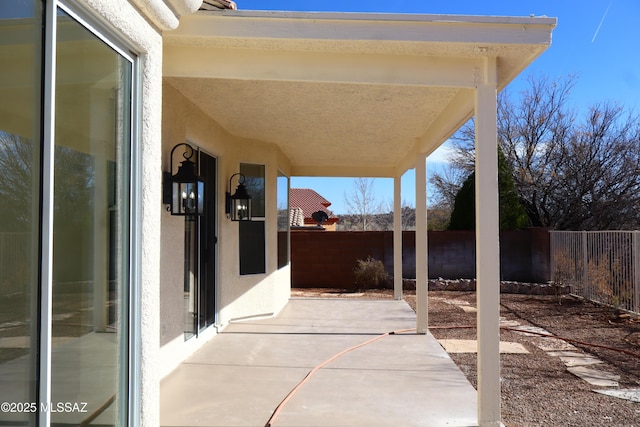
{"x": 601, "y": 266}
{"x": 14, "y": 262}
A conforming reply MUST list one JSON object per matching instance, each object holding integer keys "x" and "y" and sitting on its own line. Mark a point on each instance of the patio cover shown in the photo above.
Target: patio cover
{"x": 345, "y": 94}
{"x": 367, "y": 95}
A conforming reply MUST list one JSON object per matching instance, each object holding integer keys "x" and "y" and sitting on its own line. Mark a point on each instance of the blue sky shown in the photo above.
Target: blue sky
{"x": 597, "y": 40}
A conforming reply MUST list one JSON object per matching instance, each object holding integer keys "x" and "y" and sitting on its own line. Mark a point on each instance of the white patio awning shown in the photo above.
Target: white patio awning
{"x": 345, "y": 94}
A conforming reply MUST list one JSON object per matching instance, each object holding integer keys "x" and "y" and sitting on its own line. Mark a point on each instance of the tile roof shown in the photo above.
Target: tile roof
{"x": 295, "y": 217}
{"x": 310, "y": 201}
{"x": 218, "y": 4}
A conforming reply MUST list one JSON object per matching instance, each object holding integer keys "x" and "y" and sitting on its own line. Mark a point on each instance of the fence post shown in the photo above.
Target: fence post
{"x": 636, "y": 271}
{"x": 585, "y": 265}
{"x": 552, "y": 260}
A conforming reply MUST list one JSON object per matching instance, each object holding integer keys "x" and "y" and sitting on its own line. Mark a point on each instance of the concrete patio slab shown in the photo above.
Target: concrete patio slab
{"x": 574, "y": 358}
{"x": 504, "y": 323}
{"x": 533, "y": 331}
{"x": 580, "y": 361}
{"x": 552, "y": 344}
{"x": 594, "y": 377}
{"x": 241, "y": 375}
{"x": 632, "y": 394}
{"x": 471, "y": 346}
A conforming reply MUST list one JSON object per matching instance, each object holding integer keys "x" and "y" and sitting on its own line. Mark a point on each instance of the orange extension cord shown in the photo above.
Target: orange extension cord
{"x": 282, "y": 404}
{"x": 323, "y": 364}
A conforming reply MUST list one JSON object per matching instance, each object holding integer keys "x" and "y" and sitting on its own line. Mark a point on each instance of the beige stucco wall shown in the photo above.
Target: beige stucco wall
{"x": 146, "y": 42}
{"x": 237, "y": 296}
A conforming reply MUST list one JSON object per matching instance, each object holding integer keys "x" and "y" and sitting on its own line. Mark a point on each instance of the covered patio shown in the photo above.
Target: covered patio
{"x": 242, "y": 375}
{"x": 361, "y": 95}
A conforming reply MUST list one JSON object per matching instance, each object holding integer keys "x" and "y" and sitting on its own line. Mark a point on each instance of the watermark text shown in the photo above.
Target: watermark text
{"x": 22, "y": 407}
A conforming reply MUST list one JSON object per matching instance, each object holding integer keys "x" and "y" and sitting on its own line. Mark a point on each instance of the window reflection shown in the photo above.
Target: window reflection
{"x": 91, "y": 219}
{"x": 20, "y": 93}
{"x": 283, "y": 219}
{"x": 252, "y": 233}
{"x": 90, "y": 234}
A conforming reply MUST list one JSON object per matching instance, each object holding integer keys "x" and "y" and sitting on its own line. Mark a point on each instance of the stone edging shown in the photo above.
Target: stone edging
{"x": 507, "y": 287}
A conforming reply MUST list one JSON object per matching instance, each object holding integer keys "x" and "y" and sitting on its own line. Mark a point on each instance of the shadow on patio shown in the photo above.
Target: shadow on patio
{"x": 241, "y": 375}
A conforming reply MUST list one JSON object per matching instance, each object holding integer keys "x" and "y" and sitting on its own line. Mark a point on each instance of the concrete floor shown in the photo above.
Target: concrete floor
{"x": 242, "y": 374}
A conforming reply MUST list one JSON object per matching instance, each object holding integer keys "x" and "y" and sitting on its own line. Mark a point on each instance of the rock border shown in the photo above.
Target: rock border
{"x": 507, "y": 287}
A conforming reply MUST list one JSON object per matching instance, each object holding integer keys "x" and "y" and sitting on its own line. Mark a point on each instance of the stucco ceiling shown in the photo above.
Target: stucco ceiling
{"x": 345, "y": 94}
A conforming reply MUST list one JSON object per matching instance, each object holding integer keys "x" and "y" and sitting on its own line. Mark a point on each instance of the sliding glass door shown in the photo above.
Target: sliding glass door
{"x": 20, "y": 177}
{"x": 90, "y": 224}
{"x": 66, "y": 146}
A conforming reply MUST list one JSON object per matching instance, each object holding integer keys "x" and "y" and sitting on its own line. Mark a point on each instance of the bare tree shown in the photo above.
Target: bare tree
{"x": 384, "y": 221}
{"x": 448, "y": 182}
{"x": 600, "y": 173}
{"x": 16, "y": 165}
{"x": 438, "y": 217}
{"x": 569, "y": 172}
{"x": 533, "y": 134}
{"x": 408, "y": 213}
{"x": 362, "y": 202}
{"x": 74, "y": 181}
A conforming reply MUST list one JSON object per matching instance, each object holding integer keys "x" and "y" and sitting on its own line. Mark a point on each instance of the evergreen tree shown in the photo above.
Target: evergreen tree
{"x": 512, "y": 213}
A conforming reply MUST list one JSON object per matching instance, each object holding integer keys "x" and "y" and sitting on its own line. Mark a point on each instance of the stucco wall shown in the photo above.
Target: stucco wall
{"x": 238, "y": 296}
{"x": 127, "y": 23}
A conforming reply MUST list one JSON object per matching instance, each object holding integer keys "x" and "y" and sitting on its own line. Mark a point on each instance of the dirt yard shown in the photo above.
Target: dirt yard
{"x": 537, "y": 387}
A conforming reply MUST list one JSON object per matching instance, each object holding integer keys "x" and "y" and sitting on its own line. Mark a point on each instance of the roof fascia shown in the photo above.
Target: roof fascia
{"x": 367, "y": 26}
{"x": 249, "y": 64}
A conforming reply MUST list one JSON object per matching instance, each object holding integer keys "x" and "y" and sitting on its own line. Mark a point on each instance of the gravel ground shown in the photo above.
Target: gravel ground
{"x": 537, "y": 388}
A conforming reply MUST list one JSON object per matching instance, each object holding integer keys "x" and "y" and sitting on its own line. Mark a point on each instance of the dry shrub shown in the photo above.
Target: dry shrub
{"x": 370, "y": 274}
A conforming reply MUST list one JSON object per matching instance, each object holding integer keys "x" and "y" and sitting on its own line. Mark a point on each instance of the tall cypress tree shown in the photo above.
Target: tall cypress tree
{"x": 512, "y": 213}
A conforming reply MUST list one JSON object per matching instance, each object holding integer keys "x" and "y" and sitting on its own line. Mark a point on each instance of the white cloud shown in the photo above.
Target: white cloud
{"x": 441, "y": 155}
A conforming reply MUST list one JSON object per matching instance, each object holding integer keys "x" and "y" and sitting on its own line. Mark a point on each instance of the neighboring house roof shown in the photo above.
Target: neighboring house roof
{"x": 309, "y": 201}
{"x": 218, "y": 4}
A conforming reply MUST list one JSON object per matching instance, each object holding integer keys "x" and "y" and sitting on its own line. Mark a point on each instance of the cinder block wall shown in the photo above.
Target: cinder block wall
{"x": 327, "y": 259}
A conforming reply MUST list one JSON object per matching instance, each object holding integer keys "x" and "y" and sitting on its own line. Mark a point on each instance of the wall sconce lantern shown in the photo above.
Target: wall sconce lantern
{"x": 238, "y": 205}
{"x": 187, "y": 187}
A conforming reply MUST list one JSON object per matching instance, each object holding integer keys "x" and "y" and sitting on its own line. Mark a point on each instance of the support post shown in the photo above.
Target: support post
{"x": 397, "y": 238}
{"x": 422, "y": 269}
{"x": 586, "y": 289}
{"x": 636, "y": 270}
{"x": 487, "y": 248}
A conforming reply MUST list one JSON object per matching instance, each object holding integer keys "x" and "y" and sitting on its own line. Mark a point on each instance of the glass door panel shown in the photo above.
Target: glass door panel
{"x": 91, "y": 228}
{"x": 20, "y": 94}
{"x": 207, "y": 242}
{"x": 190, "y": 276}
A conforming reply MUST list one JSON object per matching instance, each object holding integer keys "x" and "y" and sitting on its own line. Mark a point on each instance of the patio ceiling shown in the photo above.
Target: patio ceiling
{"x": 345, "y": 94}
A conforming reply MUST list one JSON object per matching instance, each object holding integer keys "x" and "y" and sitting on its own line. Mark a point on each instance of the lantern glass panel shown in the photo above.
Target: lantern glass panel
{"x": 188, "y": 198}
{"x": 240, "y": 209}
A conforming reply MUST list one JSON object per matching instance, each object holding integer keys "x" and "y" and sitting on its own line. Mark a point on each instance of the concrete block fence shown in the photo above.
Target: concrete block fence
{"x": 327, "y": 259}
